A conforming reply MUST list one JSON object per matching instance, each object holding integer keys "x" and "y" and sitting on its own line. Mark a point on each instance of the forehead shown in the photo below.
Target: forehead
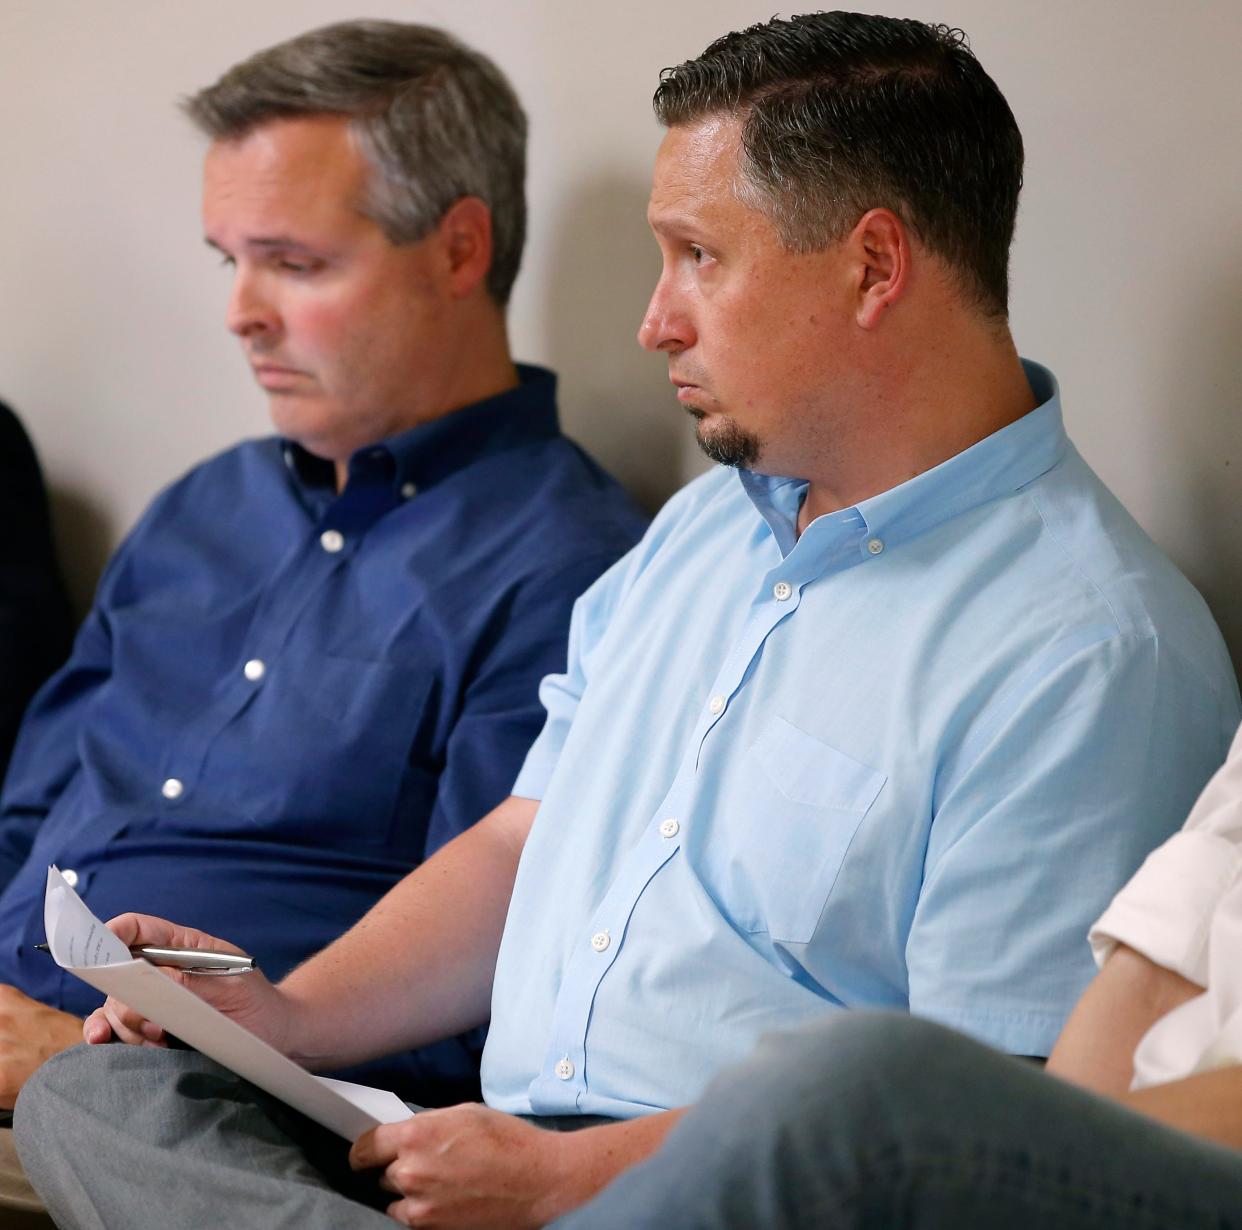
{"x": 695, "y": 176}
{"x": 308, "y": 167}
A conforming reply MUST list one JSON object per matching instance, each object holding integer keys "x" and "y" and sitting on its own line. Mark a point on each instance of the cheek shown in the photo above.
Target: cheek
{"x": 320, "y": 327}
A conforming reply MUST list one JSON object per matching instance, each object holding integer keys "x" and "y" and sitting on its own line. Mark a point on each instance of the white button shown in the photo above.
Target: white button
{"x": 716, "y": 704}
{"x": 781, "y": 590}
{"x": 600, "y": 941}
{"x": 254, "y": 669}
{"x": 332, "y": 541}
{"x": 71, "y": 877}
{"x": 669, "y": 828}
{"x": 875, "y": 546}
{"x": 408, "y": 491}
{"x": 172, "y": 788}
{"x": 565, "y": 1070}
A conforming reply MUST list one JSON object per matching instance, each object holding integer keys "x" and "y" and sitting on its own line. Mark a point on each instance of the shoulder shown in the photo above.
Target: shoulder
{"x": 707, "y": 504}
{"x": 1132, "y": 584}
{"x": 223, "y": 478}
{"x": 200, "y": 510}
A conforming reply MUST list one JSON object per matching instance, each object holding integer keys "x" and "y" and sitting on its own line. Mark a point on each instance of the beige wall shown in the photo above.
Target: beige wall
{"x": 1127, "y": 269}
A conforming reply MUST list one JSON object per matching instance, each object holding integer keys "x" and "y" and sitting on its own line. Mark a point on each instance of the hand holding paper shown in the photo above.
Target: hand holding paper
{"x": 145, "y": 1000}
{"x": 257, "y": 1006}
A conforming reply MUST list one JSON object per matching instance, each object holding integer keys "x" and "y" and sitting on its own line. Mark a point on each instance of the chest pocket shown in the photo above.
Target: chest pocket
{"x": 792, "y": 809}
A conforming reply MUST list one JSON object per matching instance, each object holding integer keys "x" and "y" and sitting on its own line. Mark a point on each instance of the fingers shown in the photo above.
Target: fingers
{"x": 137, "y": 929}
{"x": 367, "y": 1152}
{"x": 383, "y": 1145}
{"x": 409, "y": 1211}
{"x": 119, "y": 1021}
{"x": 95, "y": 1029}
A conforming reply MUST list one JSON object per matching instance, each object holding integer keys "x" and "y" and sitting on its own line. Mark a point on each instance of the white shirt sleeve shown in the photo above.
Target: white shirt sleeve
{"x": 1165, "y": 911}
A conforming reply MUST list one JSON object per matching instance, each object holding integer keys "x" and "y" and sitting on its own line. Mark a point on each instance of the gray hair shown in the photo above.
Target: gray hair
{"x": 436, "y": 120}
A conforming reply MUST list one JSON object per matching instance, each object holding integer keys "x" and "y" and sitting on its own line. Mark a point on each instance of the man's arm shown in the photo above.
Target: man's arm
{"x": 1207, "y": 1104}
{"x": 30, "y": 1034}
{"x": 417, "y": 967}
{"x": 1124, "y": 1000}
{"x": 1096, "y": 1050}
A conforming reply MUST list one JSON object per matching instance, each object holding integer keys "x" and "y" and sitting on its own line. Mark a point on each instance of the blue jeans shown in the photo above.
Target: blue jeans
{"x": 873, "y": 1120}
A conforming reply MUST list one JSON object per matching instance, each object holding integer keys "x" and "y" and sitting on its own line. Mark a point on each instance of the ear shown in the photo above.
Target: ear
{"x": 465, "y": 234}
{"x": 881, "y": 245}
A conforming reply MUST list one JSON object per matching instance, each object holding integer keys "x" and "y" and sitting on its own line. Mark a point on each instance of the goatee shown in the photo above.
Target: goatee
{"x": 726, "y": 443}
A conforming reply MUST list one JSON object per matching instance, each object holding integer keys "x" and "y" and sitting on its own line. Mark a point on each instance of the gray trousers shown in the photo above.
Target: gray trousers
{"x": 867, "y": 1120}
{"x": 142, "y": 1138}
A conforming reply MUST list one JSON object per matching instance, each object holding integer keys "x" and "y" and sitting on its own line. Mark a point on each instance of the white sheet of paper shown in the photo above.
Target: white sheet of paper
{"x": 82, "y": 945}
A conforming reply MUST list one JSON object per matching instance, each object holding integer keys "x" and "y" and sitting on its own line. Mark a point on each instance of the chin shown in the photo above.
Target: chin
{"x": 727, "y": 443}
{"x": 299, "y": 418}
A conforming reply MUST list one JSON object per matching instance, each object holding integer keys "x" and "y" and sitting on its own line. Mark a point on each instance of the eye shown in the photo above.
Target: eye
{"x": 287, "y": 265}
{"x": 697, "y": 254}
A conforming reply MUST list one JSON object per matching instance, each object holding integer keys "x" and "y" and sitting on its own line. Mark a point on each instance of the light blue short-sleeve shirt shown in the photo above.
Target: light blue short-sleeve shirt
{"x": 901, "y": 761}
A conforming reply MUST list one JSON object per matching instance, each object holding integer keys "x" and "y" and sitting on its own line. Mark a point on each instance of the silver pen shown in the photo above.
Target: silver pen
{"x": 189, "y": 960}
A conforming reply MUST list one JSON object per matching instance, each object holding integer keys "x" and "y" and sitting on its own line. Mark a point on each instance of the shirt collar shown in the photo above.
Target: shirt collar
{"x": 995, "y": 466}
{"x": 431, "y": 452}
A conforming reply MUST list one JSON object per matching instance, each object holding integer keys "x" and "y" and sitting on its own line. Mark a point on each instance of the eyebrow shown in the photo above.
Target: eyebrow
{"x": 264, "y": 242}
{"x": 675, "y": 223}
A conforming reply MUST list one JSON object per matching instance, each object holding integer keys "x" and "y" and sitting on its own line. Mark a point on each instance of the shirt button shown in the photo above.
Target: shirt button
{"x": 71, "y": 877}
{"x": 600, "y": 941}
{"x": 408, "y": 491}
{"x": 875, "y": 546}
{"x": 669, "y": 828}
{"x": 716, "y": 704}
{"x": 781, "y": 591}
{"x": 173, "y": 788}
{"x": 565, "y": 1069}
{"x": 254, "y": 670}
{"x": 332, "y": 541}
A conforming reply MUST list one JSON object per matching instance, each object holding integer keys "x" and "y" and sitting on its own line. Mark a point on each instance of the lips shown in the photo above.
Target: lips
{"x": 273, "y": 376}
{"x": 686, "y": 390}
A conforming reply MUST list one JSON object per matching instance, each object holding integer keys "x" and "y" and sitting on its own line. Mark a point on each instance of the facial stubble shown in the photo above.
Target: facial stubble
{"x": 726, "y": 443}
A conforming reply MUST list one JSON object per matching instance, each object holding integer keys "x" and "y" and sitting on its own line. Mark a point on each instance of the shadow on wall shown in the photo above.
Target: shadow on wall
{"x": 84, "y": 534}
{"x": 1206, "y": 417}
{"x": 615, "y": 398}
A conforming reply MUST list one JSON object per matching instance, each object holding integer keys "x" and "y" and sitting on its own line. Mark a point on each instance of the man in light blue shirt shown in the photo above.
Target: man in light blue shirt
{"x": 882, "y": 715}
{"x": 902, "y": 759}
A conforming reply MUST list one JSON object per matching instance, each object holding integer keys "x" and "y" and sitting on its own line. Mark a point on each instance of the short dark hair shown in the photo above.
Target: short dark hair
{"x": 436, "y": 120}
{"x": 845, "y": 112}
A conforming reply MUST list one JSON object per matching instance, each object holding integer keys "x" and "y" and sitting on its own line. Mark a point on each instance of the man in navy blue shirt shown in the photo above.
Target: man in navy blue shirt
{"x": 315, "y": 660}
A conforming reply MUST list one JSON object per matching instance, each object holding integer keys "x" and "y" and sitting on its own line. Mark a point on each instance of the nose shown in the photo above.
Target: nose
{"x": 249, "y": 310}
{"x": 665, "y": 325}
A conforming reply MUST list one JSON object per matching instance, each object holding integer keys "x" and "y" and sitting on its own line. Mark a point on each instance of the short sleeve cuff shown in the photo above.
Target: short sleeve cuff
{"x": 1016, "y": 1033}
{"x": 541, "y": 760}
{"x": 1165, "y": 911}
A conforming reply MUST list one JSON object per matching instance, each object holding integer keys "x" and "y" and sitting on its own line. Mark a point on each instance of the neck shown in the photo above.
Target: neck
{"x": 915, "y": 415}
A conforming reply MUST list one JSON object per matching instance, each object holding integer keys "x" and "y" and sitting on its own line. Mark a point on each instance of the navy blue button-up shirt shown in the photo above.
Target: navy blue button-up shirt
{"x": 285, "y": 698}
